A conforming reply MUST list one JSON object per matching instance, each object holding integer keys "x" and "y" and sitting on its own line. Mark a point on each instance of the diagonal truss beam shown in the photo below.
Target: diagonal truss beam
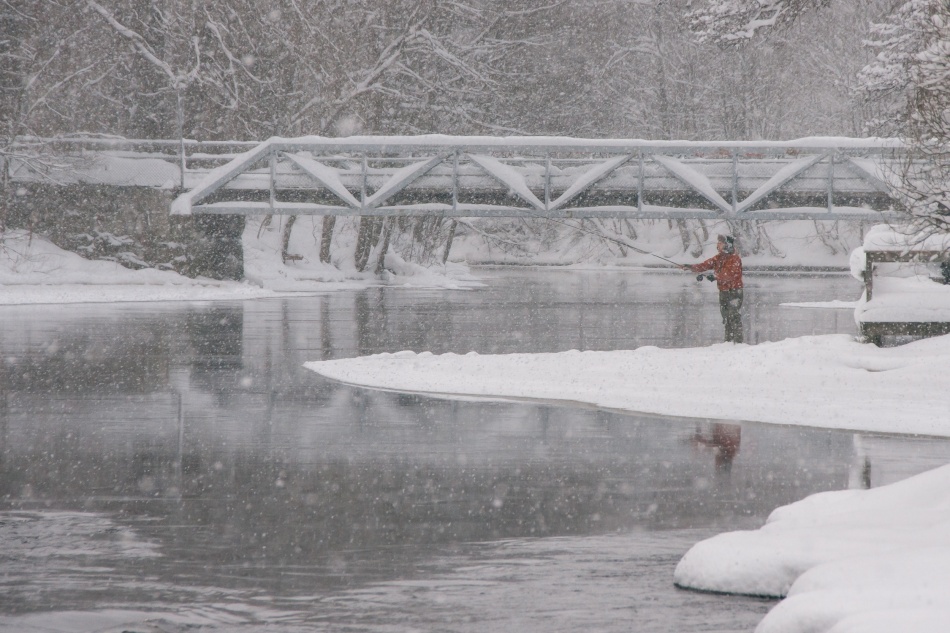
{"x": 870, "y": 172}
{"x": 587, "y": 180}
{"x": 219, "y": 177}
{"x": 402, "y": 179}
{"x": 507, "y": 176}
{"x": 694, "y": 180}
{"x": 326, "y": 176}
{"x": 780, "y": 179}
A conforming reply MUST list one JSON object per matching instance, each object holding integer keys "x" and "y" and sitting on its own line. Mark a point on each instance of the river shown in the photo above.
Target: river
{"x": 172, "y": 465}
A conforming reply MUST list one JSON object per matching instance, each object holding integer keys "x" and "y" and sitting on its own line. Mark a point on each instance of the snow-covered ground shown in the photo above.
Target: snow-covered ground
{"x": 829, "y": 381}
{"x": 873, "y": 561}
{"x": 35, "y": 271}
{"x": 263, "y": 266}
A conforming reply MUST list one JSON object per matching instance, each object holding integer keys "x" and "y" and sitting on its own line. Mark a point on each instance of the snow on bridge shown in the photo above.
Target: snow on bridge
{"x": 472, "y": 176}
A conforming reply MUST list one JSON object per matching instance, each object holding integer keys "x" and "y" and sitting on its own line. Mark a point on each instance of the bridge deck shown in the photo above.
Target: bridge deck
{"x": 826, "y": 178}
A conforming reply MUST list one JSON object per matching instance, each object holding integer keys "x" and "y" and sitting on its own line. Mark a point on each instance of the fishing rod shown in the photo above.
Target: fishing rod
{"x": 699, "y": 277}
{"x": 605, "y": 237}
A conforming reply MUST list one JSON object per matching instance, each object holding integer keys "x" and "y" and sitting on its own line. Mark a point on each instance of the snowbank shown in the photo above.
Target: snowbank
{"x": 827, "y": 381}
{"x": 884, "y": 237}
{"x": 34, "y": 271}
{"x": 854, "y": 560}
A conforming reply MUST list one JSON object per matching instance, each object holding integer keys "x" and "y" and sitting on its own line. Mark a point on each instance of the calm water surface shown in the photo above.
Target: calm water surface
{"x": 173, "y": 465}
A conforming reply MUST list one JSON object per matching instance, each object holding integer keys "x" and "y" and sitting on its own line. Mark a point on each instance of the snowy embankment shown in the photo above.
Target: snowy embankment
{"x": 263, "y": 265}
{"x": 35, "y": 271}
{"x": 874, "y": 561}
{"x": 828, "y": 381}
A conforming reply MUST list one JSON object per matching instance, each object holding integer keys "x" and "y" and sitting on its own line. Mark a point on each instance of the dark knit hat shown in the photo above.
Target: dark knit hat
{"x": 729, "y": 242}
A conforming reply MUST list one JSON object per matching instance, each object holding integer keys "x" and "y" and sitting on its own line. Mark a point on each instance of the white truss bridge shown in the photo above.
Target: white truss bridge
{"x": 824, "y": 178}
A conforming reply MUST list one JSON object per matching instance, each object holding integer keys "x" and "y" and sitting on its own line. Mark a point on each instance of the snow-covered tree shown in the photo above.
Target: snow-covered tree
{"x": 250, "y": 69}
{"x": 888, "y": 81}
{"x": 737, "y": 21}
{"x": 925, "y": 187}
{"x": 43, "y": 67}
{"x": 907, "y": 85}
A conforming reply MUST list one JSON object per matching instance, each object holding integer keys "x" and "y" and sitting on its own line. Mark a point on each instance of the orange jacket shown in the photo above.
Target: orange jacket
{"x": 728, "y": 269}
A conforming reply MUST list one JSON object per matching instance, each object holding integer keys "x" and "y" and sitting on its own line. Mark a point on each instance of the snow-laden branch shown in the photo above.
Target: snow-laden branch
{"x": 177, "y": 79}
{"x": 386, "y": 59}
{"x": 737, "y": 21}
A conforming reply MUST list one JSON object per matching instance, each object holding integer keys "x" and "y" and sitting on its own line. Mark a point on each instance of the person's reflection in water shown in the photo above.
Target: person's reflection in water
{"x": 724, "y": 439}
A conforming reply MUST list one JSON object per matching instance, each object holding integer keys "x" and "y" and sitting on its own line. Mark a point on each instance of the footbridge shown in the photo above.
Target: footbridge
{"x": 824, "y": 178}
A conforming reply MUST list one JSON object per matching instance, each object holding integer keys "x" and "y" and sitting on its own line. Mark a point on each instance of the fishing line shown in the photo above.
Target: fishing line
{"x": 602, "y": 236}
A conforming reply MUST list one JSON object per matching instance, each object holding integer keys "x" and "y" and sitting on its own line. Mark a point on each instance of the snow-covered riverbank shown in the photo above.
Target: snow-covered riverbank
{"x": 873, "y": 561}
{"x": 35, "y": 271}
{"x": 828, "y": 381}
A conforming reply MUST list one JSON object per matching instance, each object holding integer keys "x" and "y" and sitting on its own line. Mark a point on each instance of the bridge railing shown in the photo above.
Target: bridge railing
{"x": 115, "y": 161}
{"x": 829, "y": 178}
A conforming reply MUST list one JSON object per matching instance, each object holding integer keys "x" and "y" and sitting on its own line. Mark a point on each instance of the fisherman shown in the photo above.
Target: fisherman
{"x": 727, "y": 266}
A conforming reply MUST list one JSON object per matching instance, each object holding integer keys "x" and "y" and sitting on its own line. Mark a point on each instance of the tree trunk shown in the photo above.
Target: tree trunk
{"x": 448, "y": 241}
{"x": 365, "y": 240}
{"x": 326, "y": 238}
{"x": 387, "y": 232}
{"x": 285, "y": 241}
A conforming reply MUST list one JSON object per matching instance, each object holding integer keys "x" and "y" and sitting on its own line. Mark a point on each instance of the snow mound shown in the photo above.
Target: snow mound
{"x": 854, "y": 560}
{"x": 884, "y": 237}
{"x": 857, "y": 263}
{"x": 27, "y": 259}
{"x": 35, "y": 271}
{"x": 828, "y": 381}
